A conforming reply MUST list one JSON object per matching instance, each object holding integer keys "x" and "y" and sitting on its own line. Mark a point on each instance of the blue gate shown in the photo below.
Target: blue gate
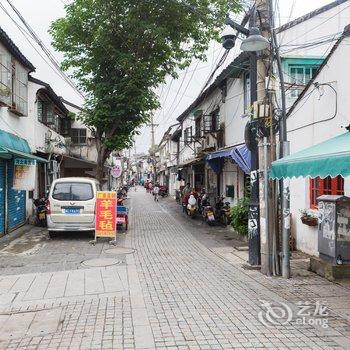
{"x": 2, "y": 197}
{"x": 16, "y": 202}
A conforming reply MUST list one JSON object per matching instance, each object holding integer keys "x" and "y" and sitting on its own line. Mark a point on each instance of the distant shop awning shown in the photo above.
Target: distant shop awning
{"x": 12, "y": 146}
{"x": 239, "y": 154}
{"x": 190, "y": 162}
{"x": 77, "y": 163}
{"x": 328, "y": 158}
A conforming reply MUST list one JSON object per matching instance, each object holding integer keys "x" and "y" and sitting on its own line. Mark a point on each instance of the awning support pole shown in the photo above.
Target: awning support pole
{"x": 286, "y": 220}
{"x": 6, "y": 199}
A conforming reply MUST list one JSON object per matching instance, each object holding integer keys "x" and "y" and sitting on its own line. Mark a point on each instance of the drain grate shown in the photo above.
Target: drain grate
{"x": 120, "y": 250}
{"x": 100, "y": 262}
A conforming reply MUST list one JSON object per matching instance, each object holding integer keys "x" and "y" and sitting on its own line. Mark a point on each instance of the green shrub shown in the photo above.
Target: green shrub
{"x": 239, "y": 216}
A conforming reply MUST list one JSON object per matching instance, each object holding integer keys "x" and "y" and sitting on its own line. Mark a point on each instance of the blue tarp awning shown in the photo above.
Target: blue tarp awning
{"x": 239, "y": 154}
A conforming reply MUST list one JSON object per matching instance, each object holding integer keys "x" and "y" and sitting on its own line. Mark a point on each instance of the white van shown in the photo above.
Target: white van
{"x": 71, "y": 204}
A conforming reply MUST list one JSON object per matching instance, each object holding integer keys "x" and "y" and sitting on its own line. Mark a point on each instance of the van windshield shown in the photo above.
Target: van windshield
{"x": 73, "y": 191}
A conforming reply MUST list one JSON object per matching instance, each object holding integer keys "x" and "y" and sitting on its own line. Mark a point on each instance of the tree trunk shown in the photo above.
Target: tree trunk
{"x": 102, "y": 154}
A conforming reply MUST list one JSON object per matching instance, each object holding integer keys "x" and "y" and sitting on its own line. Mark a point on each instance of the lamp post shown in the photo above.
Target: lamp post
{"x": 253, "y": 43}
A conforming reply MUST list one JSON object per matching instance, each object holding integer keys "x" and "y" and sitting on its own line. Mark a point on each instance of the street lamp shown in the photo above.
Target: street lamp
{"x": 255, "y": 41}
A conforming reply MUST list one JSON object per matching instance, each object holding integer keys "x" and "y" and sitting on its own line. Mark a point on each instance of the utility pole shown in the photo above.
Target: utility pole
{"x": 253, "y": 215}
{"x": 263, "y": 211}
{"x": 153, "y": 153}
{"x": 152, "y": 125}
{"x": 284, "y": 151}
{"x": 266, "y": 146}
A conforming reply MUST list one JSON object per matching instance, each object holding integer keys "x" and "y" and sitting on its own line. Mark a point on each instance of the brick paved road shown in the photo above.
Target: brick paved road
{"x": 172, "y": 293}
{"x": 195, "y": 300}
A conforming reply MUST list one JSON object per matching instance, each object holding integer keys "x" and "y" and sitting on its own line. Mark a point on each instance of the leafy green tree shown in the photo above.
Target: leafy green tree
{"x": 121, "y": 50}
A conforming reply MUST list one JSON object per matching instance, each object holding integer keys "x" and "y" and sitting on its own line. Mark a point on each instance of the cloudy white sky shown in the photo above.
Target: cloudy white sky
{"x": 175, "y": 96}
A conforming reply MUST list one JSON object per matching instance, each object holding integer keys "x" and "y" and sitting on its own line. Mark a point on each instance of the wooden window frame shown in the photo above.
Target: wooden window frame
{"x": 78, "y": 136}
{"x": 320, "y": 185}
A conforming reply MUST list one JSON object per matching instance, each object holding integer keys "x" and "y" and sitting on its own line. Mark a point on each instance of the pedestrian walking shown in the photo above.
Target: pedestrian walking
{"x": 156, "y": 192}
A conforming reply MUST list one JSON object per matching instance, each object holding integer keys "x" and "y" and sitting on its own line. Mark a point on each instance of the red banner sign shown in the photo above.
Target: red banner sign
{"x": 106, "y": 214}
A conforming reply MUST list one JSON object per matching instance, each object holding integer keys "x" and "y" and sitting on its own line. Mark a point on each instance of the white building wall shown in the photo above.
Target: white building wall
{"x": 42, "y": 138}
{"x": 232, "y": 111}
{"x": 232, "y": 175}
{"x": 318, "y": 104}
{"x": 89, "y": 150}
{"x": 321, "y": 27}
{"x": 22, "y": 127}
{"x": 210, "y": 104}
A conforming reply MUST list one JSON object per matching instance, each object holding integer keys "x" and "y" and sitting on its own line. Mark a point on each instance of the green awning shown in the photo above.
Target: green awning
{"x": 329, "y": 158}
{"x": 8, "y": 153}
{"x": 14, "y": 146}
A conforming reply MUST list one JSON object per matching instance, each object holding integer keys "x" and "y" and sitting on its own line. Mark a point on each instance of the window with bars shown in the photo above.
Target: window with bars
{"x": 300, "y": 75}
{"x": 19, "y": 89}
{"x": 78, "y": 136}
{"x": 329, "y": 185}
{"x": 5, "y": 78}
{"x": 45, "y": 110}
{"x": 207, "y": 123}
{"x": 211, "y": 122}
{"x": 188, "y": 135}
{"x": 52, "y": 117}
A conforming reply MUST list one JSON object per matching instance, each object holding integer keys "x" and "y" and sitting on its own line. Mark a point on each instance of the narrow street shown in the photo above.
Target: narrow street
{"x": 182, "y": 288}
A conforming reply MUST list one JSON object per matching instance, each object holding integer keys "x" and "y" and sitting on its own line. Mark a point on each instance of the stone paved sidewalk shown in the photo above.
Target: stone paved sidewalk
{"x": 172, "y": 293}
{"x": 196, "y": 300}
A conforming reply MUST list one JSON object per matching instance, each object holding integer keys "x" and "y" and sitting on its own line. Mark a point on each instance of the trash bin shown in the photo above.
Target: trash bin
{"x": 334, "y": 229}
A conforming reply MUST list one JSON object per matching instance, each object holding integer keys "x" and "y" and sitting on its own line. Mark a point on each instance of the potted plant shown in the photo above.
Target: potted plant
{"x": 308, "y": 218}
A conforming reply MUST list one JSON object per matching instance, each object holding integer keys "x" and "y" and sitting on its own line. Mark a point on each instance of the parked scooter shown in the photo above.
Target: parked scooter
{"x": 192, "y": 206}
{"x": 207, "y": 210}
{"x": 122, "y": 213}
{"x": 40, "y": 205}
{"x": 163, "y": 191}
{"x": 222, "y": 211}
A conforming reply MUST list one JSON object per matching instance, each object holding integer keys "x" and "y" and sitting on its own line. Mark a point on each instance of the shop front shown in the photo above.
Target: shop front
{"x": 226, "y": 171}
{"x": 18, "y": 169}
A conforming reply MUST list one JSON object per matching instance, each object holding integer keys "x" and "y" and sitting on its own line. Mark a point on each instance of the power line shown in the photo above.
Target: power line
{"x": 178, "y": 90}
{"x": 320, "y": 24}
{"x": 45, "y": 49}
{"x": 26, "y": 35}
{"x": 188, "y": 83}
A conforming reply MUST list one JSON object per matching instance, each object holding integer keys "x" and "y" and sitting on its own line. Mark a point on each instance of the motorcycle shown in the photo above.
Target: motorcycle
{"x": 207, "y": 210}
{"x": 192, "y": 206}
{"x": 223, "y": 211}
{"x": 40, "y": 205}
{"x": 163, "y": 191}
{"x": 122, "y": 214}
